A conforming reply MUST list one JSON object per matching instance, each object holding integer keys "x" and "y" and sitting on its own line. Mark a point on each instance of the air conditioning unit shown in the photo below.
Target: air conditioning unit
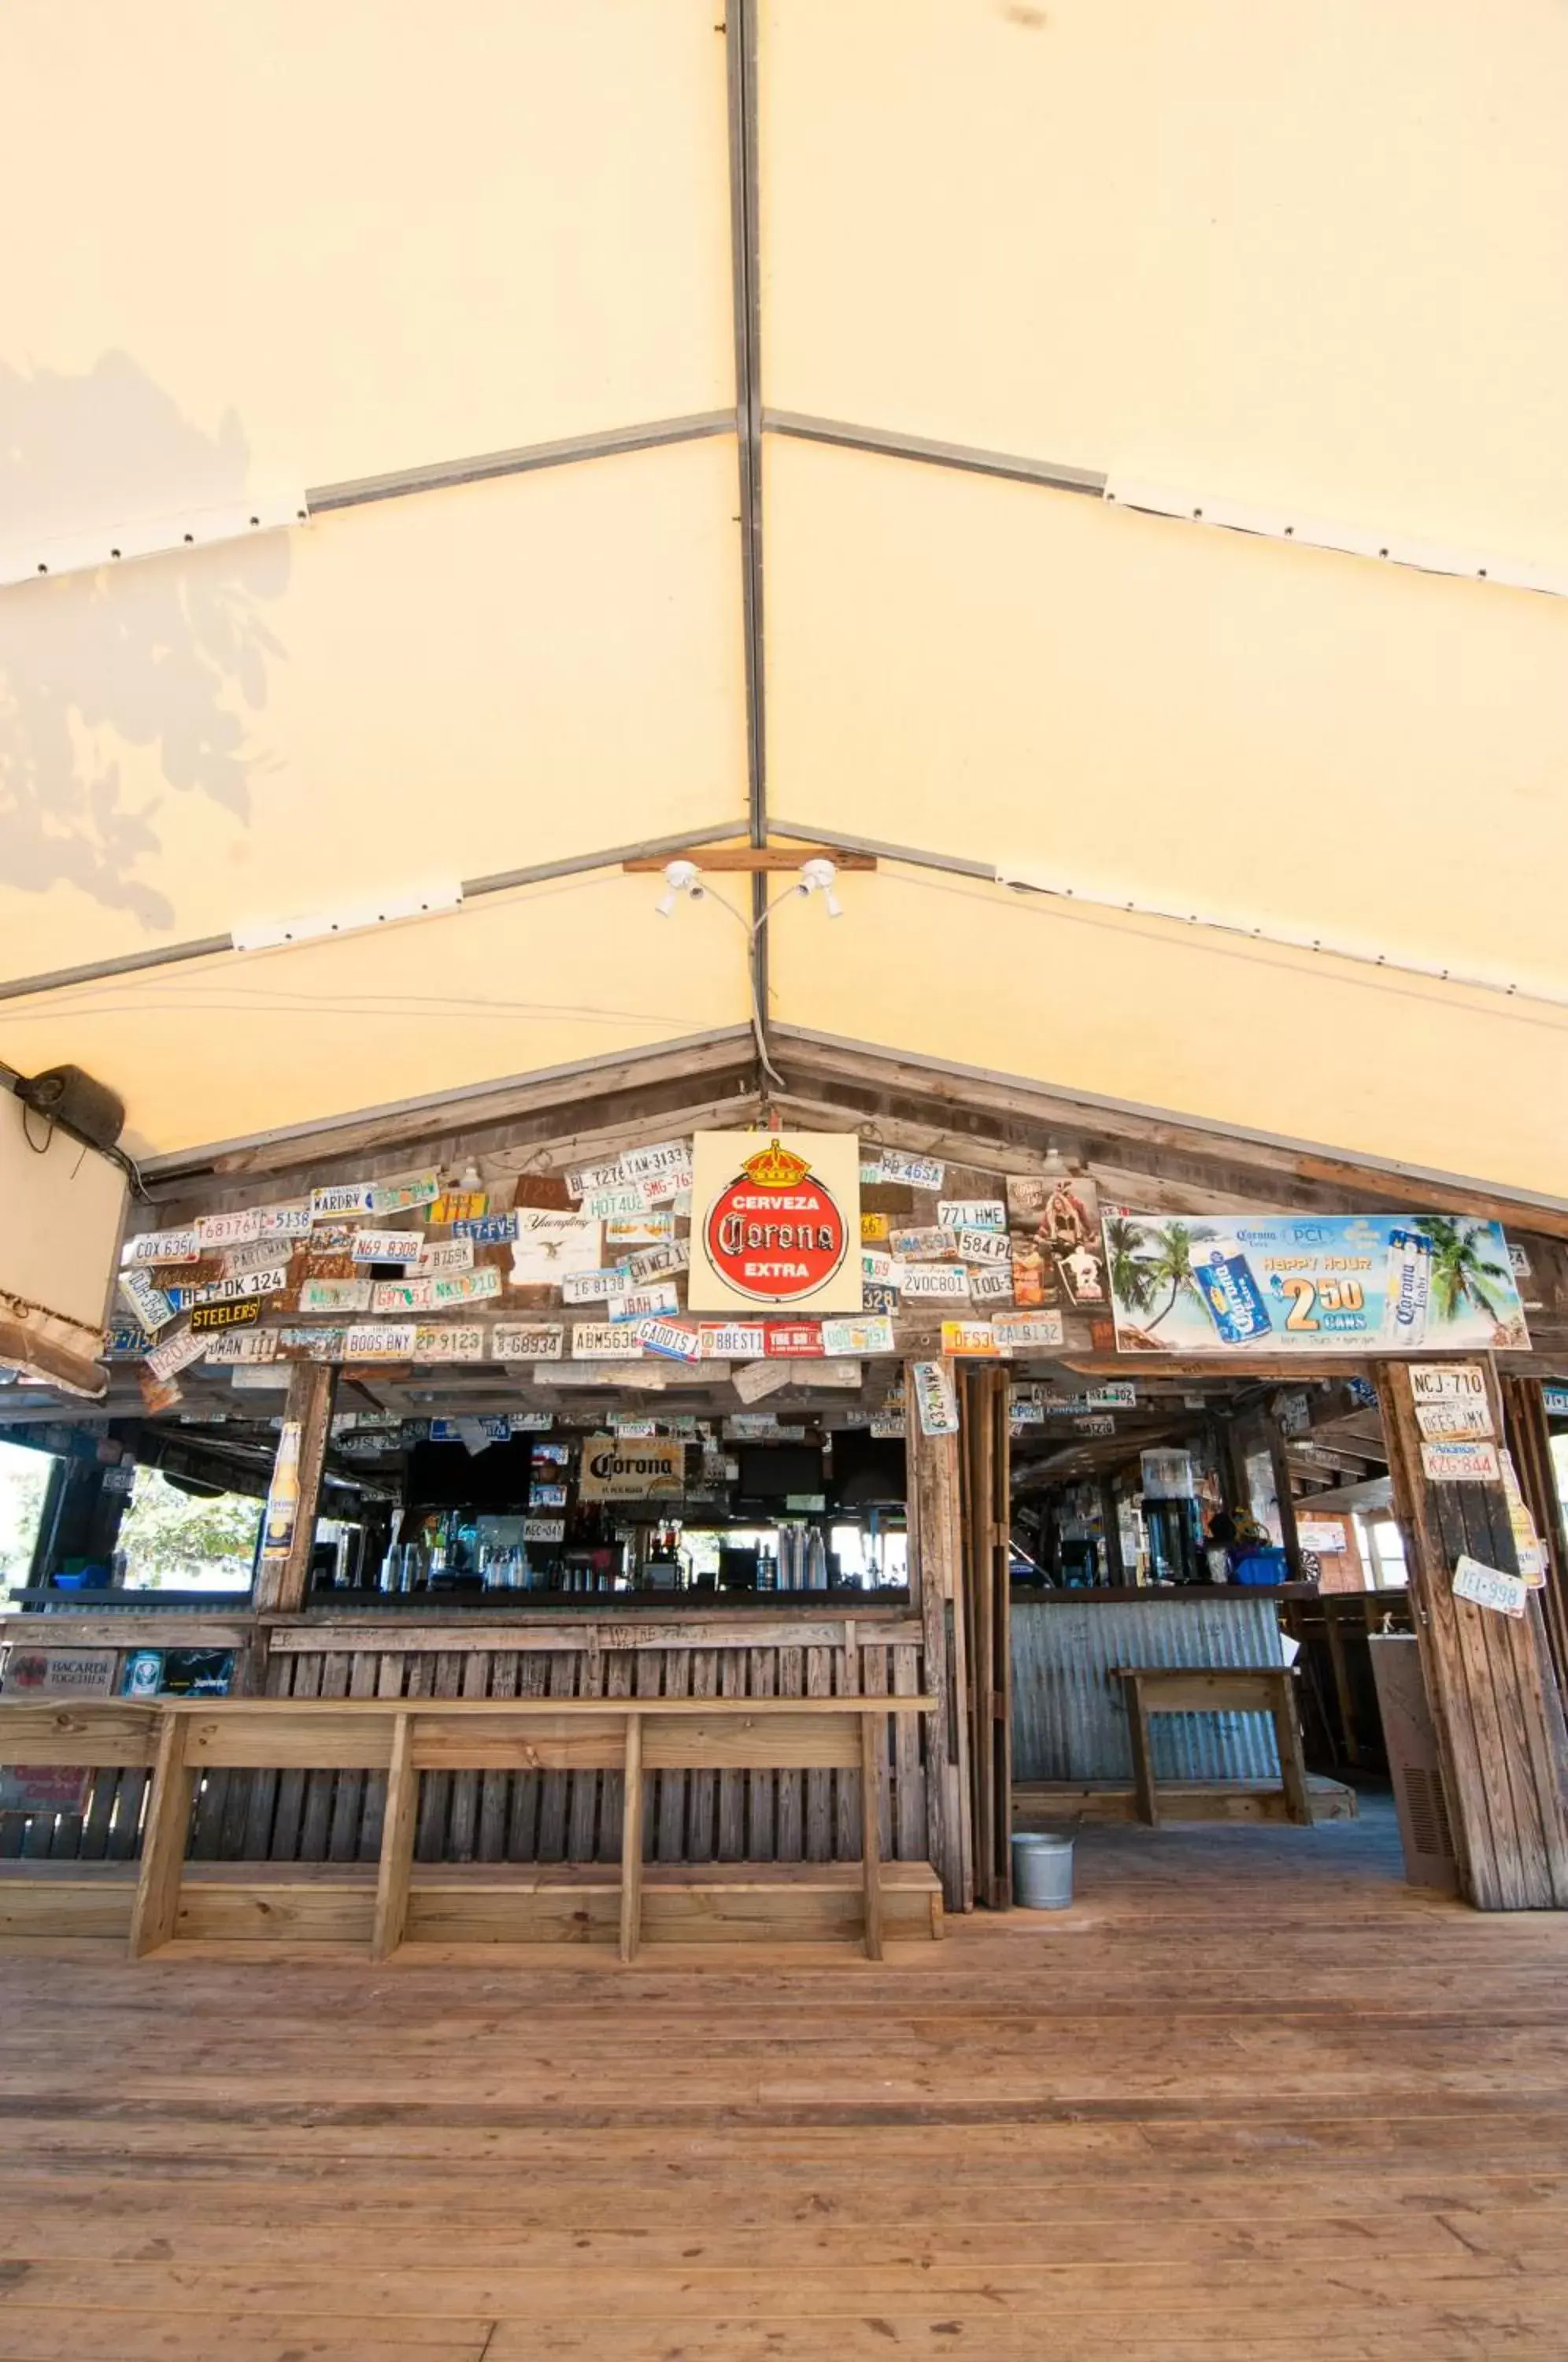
{"x": 63, "y": 1209}
{"x": 1410, "y": 1739}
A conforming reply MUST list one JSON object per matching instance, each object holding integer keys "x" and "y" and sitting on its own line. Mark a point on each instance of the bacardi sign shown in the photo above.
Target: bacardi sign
{"x": 776, "y": 1222}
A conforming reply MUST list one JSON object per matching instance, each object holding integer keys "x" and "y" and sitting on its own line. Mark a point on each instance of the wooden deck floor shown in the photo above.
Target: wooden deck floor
{"x": 1252, "y": 2098}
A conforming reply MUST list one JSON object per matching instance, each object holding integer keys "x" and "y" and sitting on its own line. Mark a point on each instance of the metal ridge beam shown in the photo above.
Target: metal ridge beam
{"x": 445, "y": 475}
{"x": 746, "y": 277}
{"x": 1054, "y": 475}
{"x": 831, "y": 1059}
{"x": 571, "y": 864}
{"x": 504, "y": 1100}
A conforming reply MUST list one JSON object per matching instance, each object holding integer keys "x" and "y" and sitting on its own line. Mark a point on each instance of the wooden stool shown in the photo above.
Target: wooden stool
{"x": 1213, "y": 1689}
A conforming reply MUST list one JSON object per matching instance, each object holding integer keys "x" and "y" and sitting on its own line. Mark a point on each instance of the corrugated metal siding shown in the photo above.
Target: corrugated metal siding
{"x": 1068, "y": 1718}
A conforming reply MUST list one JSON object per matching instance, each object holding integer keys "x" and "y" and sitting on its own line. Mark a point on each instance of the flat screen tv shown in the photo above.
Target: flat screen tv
{"x": 778, "y": 1472}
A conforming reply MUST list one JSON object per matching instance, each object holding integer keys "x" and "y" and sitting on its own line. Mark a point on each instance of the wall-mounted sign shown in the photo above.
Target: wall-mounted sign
{"x": 672, "y": 1340}
{"x": 646, "y": 1303}
{"x": 605, "y": 1341}
{"x": 386, "y": 1246}
{"x": 1488, "y": 1586}
{"x": 1325, "y": 1535}
{"x": 776, "y": 1222}
{"x": 1028, "y": 1333}
{"x": 969, "y": 1337}
{"x": 549, "y": 1246}
{"x": 932, "y": 1244}
{"x": 1461, "y": 1464}
{"x": 176, "y": 1353}
{"x": 378, "y": 1341}
{"x": 972, "y": 1214}
{"x": 943, "y": 1283}
{"x": 290, "y": 1221}
{"x": 1435, "y": 1382}
{"x": 1454, "y": 1422}
{"x": 544, "y": 1529}
{"x": 487, "y": 1230}
{"x": 460, "y": 1206}
{"x": 733, "y": 1341}
{"x": 225, "y": 1316}
{"x": 229, "y": 1229}
{"x": 524, "y": 1340}
{"x": 41, "y": 1673}
{"x": 164, "y": 1246}
{"x": 270, "y": 1281}
{"x": 1309, "y": 1282}
{"x": 614, "y": 1469}
{"x": 336, "y": 1295}
{"x": 793, "y": 1340}
{"x": 914, "y": 1172}
{"x": 936, "y": 1398}
{"x": 152, "y": 1308}
{"x": 449, "y": 1341}
{"x": 872, "y": 1335}
{"x": 232, "y": 1346}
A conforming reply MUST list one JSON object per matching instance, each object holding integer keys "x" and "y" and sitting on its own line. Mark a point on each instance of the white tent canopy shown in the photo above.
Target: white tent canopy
{"x": 969, "y": 429}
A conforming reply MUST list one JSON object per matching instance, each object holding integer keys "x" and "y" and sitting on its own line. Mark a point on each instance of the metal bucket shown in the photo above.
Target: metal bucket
{"x": 1041, "y": 1872}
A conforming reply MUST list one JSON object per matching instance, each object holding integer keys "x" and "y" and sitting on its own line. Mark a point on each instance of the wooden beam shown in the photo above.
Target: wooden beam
{"x": 632, "y": 1843}
{"x": 639, "y": 1075}
{"x": 933, "y": 1490}
{"x": 1495, "y": 1704}
{"x": 156, "y": 1911}
{"x": 755, "y": 859}
{"x": 1019, "y": 1108}
{"x": 396, "y": 1864}
{"x": 294, "y": 1498}
{"x": 1529, "y": 1441}
{"x": 873, "y": 1749}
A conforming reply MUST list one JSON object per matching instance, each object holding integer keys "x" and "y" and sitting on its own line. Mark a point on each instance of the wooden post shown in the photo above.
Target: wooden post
{"x": 1142, "y": 1753}
{"x": 1529, "y": 1441}
{"x": 396, "y": 1865}
{"x": 873, "y": 1747}
{"x": 1495, "y": 1704}
{"x": 936, "y": 1543}
{"x": 294, "y": 1500}
{"x": 156, "y": 1911}
{"x": 1280, "y": 1462}
{"x": 1115, "y": 1565}
{"x": 1292, "y": 1762}
{"x": 632, "y": 1842}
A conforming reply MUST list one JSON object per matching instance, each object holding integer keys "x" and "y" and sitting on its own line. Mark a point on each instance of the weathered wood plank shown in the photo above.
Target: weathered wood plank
{"x": 792, "y": 1683}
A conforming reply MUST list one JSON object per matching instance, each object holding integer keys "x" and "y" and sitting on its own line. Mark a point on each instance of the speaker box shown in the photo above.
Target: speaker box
{"x": 70, "y": 1098}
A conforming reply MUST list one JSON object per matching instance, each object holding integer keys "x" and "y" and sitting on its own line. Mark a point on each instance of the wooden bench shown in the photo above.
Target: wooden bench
{"x": 635, "y": 1736}
{"x": 1214, "y": 1689}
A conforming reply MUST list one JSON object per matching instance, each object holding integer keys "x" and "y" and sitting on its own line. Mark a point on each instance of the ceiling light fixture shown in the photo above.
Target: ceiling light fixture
{"x": 820, "y": 877}
{"x": 679, "y": 877}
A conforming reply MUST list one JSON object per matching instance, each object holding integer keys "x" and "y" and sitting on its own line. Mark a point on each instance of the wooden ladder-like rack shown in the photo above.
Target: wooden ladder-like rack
{"x": 404, "y": 1738}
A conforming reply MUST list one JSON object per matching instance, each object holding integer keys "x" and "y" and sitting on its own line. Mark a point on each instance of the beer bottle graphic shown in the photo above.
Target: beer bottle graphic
{"x": 1231, "y": 1293}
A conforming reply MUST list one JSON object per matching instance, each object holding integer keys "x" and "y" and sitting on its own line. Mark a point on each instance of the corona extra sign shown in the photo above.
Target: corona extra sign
{"x": 776, "y": 1221}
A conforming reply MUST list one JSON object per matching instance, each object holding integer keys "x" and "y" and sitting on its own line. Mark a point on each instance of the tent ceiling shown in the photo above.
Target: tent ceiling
{"x": 1294, "y": 261}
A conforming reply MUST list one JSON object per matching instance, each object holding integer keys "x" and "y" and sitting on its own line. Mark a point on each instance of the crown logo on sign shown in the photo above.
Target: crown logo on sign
{"x": 776, "y": 1168}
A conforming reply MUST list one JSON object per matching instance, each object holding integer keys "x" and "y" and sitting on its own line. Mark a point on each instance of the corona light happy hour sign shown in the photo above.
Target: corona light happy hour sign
{"x": 776, "y": 1222}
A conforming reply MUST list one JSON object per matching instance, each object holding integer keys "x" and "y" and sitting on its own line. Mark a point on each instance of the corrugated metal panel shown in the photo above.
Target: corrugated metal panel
{"x": 1068, "y": 1718}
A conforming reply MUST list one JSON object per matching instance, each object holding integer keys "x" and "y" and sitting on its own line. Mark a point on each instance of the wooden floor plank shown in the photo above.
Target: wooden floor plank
{"x": 1250, "y": 2100}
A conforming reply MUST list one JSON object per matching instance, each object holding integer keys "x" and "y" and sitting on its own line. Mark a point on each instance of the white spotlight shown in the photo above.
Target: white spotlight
{"x": 679, "y": 877}
{"x": 820, "y": 877}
